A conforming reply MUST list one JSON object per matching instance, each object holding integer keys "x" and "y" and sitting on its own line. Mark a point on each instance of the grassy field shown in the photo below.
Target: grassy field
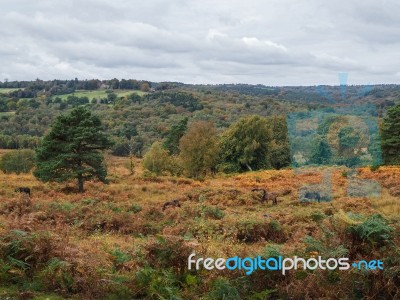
{"x": 98, "y": 94}
{"x": 6, "y": 91}
{"x": 7, "y": 113}
{"x": 90, "y": 94}
{"x": 115, "y": 242}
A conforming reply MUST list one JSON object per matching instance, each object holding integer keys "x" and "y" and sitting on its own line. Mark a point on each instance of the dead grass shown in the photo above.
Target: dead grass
{"x": 219, "y": 217}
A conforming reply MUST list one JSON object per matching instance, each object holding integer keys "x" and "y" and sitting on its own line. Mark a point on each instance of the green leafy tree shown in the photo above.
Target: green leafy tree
{"x": 390, "y": 136}
{"x": 174, "y": 135}
{"x": 246, "y": 145}
{"x": 157, "y": 159}
{"x": 135, "y": 98}
{"x": 145, "y": 87}
{"x": 18, "y": 161}
{"x": 348, "y": 141}
{"x": 111, "y": 98}
{"x": 73, "y": 149}
{"x": 199, "y": 149}
{"x": 129, "y": 132}
{"x": 321, "y": 153}
{"x": 279, "y": 146}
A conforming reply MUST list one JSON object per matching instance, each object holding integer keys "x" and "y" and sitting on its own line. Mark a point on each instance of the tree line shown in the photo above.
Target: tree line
{"x": 73, "y": 148}
{"x": 198, "y": 149}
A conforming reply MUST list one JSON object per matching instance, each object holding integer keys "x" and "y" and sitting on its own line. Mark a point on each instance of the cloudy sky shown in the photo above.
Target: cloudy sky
{"x": 272, "y": 42}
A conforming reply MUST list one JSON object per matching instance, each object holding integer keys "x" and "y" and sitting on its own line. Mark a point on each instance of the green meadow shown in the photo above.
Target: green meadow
{"x": 98, "y": 94}
{"x": 7, "y": 90}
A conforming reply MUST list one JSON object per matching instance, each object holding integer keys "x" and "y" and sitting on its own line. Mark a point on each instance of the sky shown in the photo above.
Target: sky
{"x": 271, "y": 42}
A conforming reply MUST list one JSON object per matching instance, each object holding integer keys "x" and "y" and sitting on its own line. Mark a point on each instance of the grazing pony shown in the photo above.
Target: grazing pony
{"x": 173, "y": 203}
{"x": 267, "y": 196}
{"x": 312, "y": 196}
{"x": 25, "y": 190}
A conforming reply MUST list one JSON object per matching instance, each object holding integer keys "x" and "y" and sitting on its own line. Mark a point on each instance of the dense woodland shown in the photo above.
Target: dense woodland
{"x": 27, "y": 108}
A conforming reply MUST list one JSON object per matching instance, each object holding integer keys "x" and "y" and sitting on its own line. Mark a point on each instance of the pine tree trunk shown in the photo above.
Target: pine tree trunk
{"x": 132, "y": 167}
{"x": 80, "y": 183}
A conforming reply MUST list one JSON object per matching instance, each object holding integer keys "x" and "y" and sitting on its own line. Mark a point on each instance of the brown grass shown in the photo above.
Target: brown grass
{"x": 127, "y": 214}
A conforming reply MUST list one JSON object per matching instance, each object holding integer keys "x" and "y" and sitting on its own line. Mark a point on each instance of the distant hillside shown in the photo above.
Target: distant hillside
{"x": 27, "y": 108}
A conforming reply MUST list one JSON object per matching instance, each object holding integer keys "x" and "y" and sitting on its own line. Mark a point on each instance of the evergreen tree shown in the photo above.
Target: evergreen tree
{"x": 73, "y": 149}
{"x": 174, "y": 135}
{"x": 391, "y": 136}
{"x": 321, "y": 153}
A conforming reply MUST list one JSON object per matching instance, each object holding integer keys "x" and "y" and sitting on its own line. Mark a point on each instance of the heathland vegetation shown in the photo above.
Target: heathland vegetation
{"x": 138, "y": 145}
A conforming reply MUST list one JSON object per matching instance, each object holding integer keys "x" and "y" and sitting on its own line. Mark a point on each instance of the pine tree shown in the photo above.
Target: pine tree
{"x": 129, "y": 132}
{"x": 391, "y": 136}
{"x": 174, "y": 135}
{"x": 321, "y": 153}
{"x": 73, "y": 149}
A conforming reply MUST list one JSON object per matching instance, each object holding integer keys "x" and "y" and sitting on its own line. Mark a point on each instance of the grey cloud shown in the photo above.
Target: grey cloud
{"x": 271, "y": 42}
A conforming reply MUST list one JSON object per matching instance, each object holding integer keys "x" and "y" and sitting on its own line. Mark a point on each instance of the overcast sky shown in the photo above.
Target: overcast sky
{"x": 272, "y": 42}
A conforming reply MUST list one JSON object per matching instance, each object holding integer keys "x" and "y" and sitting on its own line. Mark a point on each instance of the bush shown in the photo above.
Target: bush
{"x": 222, "y": 289}
{"x": 167, "y": 252}
{"x": 135, "y": 208}
{"x": 157, "y": 284}
{"x": 119, "y": 257}
{"x": 374, "y": 231}
{"x": 157, "y": 159}
{"x": 374, "y": 168}
{"x": 18, "y": 161}
{"x": 23, "y": 251}
{"x": 251, "y": 231}
{"x": 324, "y": 248}
{"x": 213, "y": 212}
{"x": 57, "y": 275}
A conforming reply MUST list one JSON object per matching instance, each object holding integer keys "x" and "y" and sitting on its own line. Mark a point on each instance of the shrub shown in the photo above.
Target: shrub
{"x": 167, "y": 252}
{"x": 135, "y": 208}
{"x": 324, "y": 248}
{"x": 222, "y": 289}
{"x": 265, "y": 294}
{"x": 213, "y": 212}
{"x": 375, "y": 231}
{"x": 318, "y": 216}
{"x": 250, "y": 231}
{"x": 119, "y": 258}
{"x": 157, "y": 159}
{"x": 57, "y": 275}
{"x": 18, "y": 161}
{"x": 157, "y": 284}
{"x": 23, "y": 251}
{"x": 374, "y": 168}
{"x": 272, "y": 250}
